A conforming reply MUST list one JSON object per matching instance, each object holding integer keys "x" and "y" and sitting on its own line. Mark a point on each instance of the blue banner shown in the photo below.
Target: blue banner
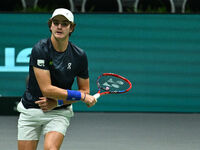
{"x": 159, "y": 54}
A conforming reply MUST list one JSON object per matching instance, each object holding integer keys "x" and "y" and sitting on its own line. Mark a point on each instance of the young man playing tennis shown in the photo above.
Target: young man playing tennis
{"x": 46, "y": 107}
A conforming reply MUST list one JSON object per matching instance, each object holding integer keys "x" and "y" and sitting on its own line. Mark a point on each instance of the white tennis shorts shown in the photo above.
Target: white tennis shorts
{"x": 34, "y": 122}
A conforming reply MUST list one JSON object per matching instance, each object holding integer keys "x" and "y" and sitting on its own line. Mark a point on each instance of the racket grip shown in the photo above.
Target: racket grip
{"x": 97, "y": 95}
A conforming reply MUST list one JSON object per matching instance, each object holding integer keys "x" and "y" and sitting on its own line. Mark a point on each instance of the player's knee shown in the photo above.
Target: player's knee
{"x": 51, "y": 147}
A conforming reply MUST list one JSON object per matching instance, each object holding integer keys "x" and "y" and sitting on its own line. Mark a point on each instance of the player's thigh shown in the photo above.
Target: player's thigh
{"x": 27, "y": 145}
{"x": 53, "y": 140}
{"x": 29, "y": 124}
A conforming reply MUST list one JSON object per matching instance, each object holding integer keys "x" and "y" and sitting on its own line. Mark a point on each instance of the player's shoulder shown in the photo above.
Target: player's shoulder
{"x": 42, "y": 43}
{"x": 77, "y": 49}
{"x": 42, "y": 46}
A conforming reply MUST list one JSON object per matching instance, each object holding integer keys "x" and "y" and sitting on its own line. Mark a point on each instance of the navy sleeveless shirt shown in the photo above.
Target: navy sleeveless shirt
{"x": 63, "y": 67}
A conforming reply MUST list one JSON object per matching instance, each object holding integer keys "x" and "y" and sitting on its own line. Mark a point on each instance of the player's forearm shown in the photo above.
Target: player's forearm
{"x": 54, "y": 92}
{"x": 86, "y": 91}
{"x": 62, "y": 94}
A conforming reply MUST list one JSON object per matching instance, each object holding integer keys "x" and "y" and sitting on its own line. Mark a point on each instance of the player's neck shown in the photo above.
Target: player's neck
{"x": 59, "y": 45}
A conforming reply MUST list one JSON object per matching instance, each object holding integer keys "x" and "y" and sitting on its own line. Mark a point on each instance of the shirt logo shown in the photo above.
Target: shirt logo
{"x": 40, "y": 62}
{"x": 51, "y": 63}
{"x": 69, "y": 66}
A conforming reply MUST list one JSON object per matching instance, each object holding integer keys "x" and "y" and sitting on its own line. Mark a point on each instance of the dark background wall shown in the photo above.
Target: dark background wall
{"x": 108, "y": 6}
{"x": 159, "y": 54}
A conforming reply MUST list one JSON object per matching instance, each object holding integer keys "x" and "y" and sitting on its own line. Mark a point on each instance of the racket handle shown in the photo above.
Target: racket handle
{"x": 97, "y": 95}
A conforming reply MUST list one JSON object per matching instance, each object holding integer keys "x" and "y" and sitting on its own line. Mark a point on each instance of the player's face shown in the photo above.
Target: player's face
{"x": 60, "y": 27}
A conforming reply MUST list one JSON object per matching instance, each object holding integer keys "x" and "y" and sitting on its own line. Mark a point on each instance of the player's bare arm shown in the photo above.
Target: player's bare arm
{"x": 84, "y": 87}
{"x": 55, "y": 93}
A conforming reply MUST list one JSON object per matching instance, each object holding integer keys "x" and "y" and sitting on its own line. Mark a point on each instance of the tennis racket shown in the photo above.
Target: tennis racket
{"x": 110, "y": 83}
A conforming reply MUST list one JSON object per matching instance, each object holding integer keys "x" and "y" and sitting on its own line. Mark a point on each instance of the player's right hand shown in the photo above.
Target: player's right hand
{"x": 90, "y": 100}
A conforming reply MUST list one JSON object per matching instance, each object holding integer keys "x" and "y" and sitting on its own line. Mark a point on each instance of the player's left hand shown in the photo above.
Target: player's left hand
{"x": 46, "y": 104}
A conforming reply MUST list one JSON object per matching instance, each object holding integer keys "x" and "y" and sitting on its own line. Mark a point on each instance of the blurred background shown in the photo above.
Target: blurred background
{"x": 103, "y": 6}
{"x": 153, "y": 43}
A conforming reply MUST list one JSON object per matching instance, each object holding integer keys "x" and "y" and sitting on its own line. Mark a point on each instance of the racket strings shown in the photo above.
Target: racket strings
{"x": 113, "y": 84}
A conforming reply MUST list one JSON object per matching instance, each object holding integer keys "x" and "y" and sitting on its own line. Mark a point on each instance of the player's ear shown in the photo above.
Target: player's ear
{"x": 72, "y": 27}
{"x": 49, "y": 24}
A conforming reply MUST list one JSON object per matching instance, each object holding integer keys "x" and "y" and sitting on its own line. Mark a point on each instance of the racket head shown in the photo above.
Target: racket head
{"x": 111, "y": 83}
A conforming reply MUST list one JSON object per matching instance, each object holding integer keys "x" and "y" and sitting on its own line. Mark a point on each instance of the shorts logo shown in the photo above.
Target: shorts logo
{"x": 69, "y": 66}
{"x": 40, "y": 62}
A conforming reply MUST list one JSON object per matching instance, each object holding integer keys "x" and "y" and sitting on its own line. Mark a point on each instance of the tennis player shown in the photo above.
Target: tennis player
{"x": 46, "y": 106}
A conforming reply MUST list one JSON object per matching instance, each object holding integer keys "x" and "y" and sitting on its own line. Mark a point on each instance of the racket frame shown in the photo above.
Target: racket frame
{"x": 98, "y": 94}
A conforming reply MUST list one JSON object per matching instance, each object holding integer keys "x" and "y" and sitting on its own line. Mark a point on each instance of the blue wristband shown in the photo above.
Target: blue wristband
{"x": 60, "y": 102}
{"x": 73, "y": 95}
